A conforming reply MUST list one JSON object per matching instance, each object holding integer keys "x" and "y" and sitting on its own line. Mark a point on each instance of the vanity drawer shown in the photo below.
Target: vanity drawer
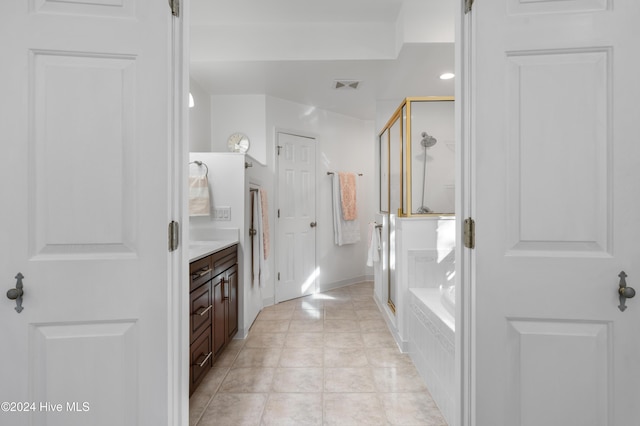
{"x": 201, "y": 359}
{"x": 201, "y": 308}
{"x": 224, "y": 259}
{"x": 200, "y": 272}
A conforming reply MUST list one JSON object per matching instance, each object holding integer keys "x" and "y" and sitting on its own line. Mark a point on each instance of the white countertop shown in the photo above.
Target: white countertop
{"x": 200, "y": 249}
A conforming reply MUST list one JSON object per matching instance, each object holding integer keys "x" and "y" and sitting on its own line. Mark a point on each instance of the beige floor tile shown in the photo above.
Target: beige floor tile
{"x": 308, "y": 314}
{"x": 235, "y": 344}
{"x": 212, "y": 380}
{"x": 197, "y": 405}
{"x": 257, "y": 357}
{"x": 341, "y": 326}
{"x": 299, "y": 379}
{"x": 387, "y": 357}
{"x": 265, "y": 340}
{"x": 307, "y": 325}
{"x": 345, "y": 357}
{"x": 289, "y": 305}
{"x": 400, "y": 379}
{"x": 293, "y": 409}
{"x": 234, "y": 410}
{"x": 343, "y": 340}
{"x": 270, "y": 326}
{"x": 227, "y": 357}
{"x": 379, "y": 340}
{"x": 338, "y": 304}
{"x": 337, "y": 295}
{"x": 412, "y": 409}
{"x": 279, "y": 314}
{"x": 347, "y": 409}
{"x": 304, "y": 340}
{"x": 362, "y": 294}
{"x": 248, "y": 380}
{"x": 364, "y": 304}
{"x": 372, "y": 325}
{"x": 339, "y": 314}
{"x": 302, "y": 357}
{"x": 349, "y": 380}
{"x": 309, "y": 302}
{"x": 364, "y": 314}
{"x": 325, "y": 359}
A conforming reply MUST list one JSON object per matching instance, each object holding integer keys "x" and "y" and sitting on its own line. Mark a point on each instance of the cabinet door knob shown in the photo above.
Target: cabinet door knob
{"x": 313, "y": 224}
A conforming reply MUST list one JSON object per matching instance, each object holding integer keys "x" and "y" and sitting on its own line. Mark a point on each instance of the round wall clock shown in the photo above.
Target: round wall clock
{"x": 238, "y": 142}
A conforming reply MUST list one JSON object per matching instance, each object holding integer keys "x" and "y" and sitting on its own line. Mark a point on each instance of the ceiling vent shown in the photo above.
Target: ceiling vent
{"x": 346, "y": 84}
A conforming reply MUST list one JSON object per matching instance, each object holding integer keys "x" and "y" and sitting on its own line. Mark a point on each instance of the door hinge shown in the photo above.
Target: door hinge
{"x": 278, "y": 276}
{"x": 278, "y": 212}
{"x": 468, "y": 4}
{"x": 469, "y": 233}
{"x": 174, "y": 235}
{"x": 279, "y": 147}
{"x": 175, "y": 7}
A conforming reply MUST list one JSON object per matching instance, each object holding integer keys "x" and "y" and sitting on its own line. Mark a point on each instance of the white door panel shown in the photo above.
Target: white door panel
{"x": 84, "y": 181}
{"x": 296, "y": 244}
{"x": 556, "y": 172}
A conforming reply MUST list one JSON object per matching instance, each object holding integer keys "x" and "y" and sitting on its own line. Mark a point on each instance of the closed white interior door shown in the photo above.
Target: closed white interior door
{"x": 84, "y": 179}
{"x": 556, "y": 168}
{"x": 296, "y": 273}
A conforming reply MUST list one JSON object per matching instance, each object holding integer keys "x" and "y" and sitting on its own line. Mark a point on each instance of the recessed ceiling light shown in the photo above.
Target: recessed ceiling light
{"x": 447, "y": 76}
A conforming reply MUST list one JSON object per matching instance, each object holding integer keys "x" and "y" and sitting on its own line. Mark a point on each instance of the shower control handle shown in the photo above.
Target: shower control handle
{"x": 313, "y": 224}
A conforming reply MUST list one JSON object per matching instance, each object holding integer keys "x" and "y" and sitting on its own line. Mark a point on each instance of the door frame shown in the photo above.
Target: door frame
{"x": 178, "y": 307}
{"x": 465, "y": 203}
{"x": 276, "y": 185}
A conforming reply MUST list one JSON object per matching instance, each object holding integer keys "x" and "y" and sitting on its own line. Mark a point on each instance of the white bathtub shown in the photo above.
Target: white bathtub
{"x": 431, "y": 343}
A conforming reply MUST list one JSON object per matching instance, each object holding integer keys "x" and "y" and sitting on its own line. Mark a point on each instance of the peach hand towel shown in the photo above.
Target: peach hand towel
{"x": 265, "y": 222}
{"x": 348, "y": 195}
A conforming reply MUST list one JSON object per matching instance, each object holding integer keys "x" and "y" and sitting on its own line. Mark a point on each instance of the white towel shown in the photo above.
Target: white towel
{"x": 344, "y": 231}
{"x": 199, "y": 204}
{"x": 373, "y": 254}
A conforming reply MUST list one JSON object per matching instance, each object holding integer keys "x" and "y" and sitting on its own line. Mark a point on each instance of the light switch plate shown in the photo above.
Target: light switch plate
{"x": 222, "y": 213}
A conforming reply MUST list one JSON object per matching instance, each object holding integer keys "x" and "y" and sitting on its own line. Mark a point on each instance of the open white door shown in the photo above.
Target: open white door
{"x": 85, "y": 178}
{"x": 296, "y": 217}
{"x": 556, "y": 169}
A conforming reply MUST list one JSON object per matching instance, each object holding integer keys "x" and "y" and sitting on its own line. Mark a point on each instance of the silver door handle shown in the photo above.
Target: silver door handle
{"x": 313, "y": 224}
{"x": 624, "y": 292}
{"x": 16, "y": 293}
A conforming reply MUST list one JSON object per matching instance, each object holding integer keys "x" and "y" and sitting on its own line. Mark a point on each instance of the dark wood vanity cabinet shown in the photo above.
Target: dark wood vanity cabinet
{"x": 213, "y": 309}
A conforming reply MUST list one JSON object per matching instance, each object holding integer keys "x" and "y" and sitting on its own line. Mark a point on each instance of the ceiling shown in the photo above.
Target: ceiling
{"x": 296, "y": 49}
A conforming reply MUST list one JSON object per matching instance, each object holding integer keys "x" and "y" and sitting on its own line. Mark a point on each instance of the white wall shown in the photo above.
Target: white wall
{"x": 199, "y": 119}
{"x": 239, "y": 113}
{"x": 343, "y": 144}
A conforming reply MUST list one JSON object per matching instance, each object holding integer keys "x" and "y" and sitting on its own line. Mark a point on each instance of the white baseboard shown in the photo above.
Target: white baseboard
{"x": 343, "y": 283}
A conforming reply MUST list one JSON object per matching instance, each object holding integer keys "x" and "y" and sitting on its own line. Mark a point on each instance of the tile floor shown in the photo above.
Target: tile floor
{"x": 327, "y": 359}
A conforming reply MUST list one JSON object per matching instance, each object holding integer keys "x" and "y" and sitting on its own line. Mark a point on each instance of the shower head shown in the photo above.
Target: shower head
{"x": 427, "y": 140}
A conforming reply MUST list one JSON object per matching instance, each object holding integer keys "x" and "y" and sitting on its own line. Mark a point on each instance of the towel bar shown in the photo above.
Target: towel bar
{"x": 332, "y": 173}
{"x": 200, "y": 164}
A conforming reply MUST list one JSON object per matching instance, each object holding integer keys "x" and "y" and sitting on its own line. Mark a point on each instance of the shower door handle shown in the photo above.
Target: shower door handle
{"x": 313, "y": 224}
